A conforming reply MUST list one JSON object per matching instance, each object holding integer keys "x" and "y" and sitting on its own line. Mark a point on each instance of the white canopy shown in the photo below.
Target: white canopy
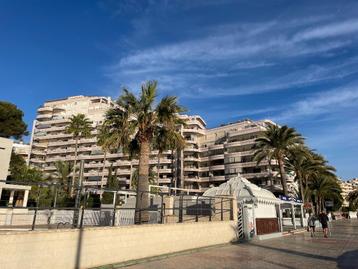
{"x": 243, "y": 190}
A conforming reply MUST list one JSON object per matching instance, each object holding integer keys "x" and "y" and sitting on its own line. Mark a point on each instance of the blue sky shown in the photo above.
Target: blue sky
{"x": 295, "y": 62}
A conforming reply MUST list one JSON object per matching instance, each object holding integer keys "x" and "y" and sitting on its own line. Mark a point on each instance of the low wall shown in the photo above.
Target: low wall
{"x": 92, "y": 247}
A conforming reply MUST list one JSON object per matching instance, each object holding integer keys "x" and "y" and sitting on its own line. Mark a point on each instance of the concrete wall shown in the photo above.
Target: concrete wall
{"x": 98, "y": 246}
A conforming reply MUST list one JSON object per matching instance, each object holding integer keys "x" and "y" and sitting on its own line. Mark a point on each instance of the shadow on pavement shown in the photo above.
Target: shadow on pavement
{"x": 293, "y": 252}
{"x": 348, "y": 260}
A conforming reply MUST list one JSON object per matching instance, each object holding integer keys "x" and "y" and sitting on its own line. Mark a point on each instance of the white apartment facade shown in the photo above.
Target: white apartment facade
{"x": 347, "y": 187}
{"x": 212, "y": 156}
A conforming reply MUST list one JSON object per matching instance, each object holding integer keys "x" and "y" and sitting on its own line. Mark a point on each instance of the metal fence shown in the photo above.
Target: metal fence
{"x": 163, "y": 208}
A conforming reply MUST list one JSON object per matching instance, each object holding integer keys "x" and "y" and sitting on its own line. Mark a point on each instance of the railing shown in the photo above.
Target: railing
{"x": 163, "y": 208}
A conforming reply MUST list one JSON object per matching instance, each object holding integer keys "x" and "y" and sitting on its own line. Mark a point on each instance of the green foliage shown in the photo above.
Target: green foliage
{"x": 136, "y": 124}
{"x": 276, "y": 143}
{"x": 152, "y": 178}
{"x": 112, "y": 184}
{"x": 353, "y": 200}
{"x": 63, "y": 171}
{"x": 17, "y": 167}
{"x": 11, "y": 121}
{"x": 79, "y": 126}
{"x": 323, "y": 188}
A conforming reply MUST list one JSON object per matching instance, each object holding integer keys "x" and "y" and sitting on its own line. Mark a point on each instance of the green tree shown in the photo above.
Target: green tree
{"x": 353, "y": 199}
{"x": 276, "y": 143}
{"x": 112, "y": 185}
{"x": 306, "y": 165}
{"x": 17, "y": 167}
{"x": 135, "y": 123}
{"x": 79, "y": 127}
{"x": 62, "y": 174}
{"x": 323, "y": 188}
{"x": 152, "y": 178}
{"x": 106, "y": 141}
{"x": 11, "y": 121}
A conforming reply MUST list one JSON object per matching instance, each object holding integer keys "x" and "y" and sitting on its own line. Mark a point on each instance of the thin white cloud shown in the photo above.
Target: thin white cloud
{"x": 330, "y": 30}
{"x": 323, "y": 103}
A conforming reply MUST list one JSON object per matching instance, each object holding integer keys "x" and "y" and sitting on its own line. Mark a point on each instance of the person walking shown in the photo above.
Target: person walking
{"x": 323, "y": 219}
{"x": 312, "y": 224}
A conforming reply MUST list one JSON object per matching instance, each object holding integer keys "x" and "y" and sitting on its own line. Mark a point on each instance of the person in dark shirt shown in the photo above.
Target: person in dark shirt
{"x": 323, "y": 219}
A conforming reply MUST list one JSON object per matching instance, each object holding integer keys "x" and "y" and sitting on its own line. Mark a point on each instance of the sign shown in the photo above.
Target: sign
{"x": 328, "y": 203}
{"x": 286, "y": 198}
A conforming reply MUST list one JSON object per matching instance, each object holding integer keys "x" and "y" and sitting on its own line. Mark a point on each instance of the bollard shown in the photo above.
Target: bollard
{"x": 34, "y": 220}
{"x": 210, "y": 209}
{"x": 196, "y": 210}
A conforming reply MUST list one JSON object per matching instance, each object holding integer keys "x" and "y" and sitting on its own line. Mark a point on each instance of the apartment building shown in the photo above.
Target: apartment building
{"x": 347, "y": 187}
{"x": 215, "y": 155}
{"x": 211, "y": 156}
{"x": 22, "y": 149}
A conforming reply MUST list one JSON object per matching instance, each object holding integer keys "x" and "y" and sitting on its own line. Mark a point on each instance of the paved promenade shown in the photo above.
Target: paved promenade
{"x": 294, "y": 251}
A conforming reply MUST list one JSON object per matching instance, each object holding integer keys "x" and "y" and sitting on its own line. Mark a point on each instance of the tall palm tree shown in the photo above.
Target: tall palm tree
{"x": 353, "y": 198}
{"x": 135, "y": 123}
{"x": 276, "y": 143}
{"x": 106, "y": 141}
{"x": 79, "y": 127}
{"x": 324, "y": 187}
{"x": 63, "y": 171}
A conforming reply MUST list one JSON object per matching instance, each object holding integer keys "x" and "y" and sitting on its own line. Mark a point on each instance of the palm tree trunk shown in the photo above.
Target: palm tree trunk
{"x": 74, "y": 167}
{"x": 300, "y": 181}
{"x": 142, "y": 201}
{"x": 103, "y": 168}
{"x": 283, "y": 176}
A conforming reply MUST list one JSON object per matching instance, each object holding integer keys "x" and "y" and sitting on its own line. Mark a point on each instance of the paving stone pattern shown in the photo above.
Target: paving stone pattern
{"x": 340, "y": 250}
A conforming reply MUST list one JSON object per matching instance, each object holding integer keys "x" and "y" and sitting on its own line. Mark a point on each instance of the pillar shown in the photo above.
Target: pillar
{"x": 26, "y": 197}
{"x": 11, "y": 199}
{"x": 293, "y": 216}
{"x": 254, "y": 218}
{"x": 280, "y": 217}
{"x": 301, "y": 207}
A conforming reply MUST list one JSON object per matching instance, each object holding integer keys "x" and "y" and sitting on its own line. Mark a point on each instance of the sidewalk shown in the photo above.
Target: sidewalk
{"x": 292, "y": 251}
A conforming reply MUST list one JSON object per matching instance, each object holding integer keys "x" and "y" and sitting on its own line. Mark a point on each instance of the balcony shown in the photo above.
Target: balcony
{"x": 247, "y": 131}
{"x": 41, "y": 117}
{"x": 217, "y": 167}
{"x": 45, "y": 109}
{"x": 191, "y": 169}
{"x": 216, "y": 157}
{"x": 191, "y": 159}
{"x": 240, "y": 143}
{"x": 194, "y": 131}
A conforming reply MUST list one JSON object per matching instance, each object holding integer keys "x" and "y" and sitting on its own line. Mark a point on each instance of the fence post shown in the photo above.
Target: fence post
{"x": 181, "y": 208}
{"x": 197, "y": 207}
{"x": 210, "y": 209}
{"x": 222, "y": 212}
{"x": 232, "y": 209}
{"x": 161, "y": 210}
{"x": 34, "y": 220}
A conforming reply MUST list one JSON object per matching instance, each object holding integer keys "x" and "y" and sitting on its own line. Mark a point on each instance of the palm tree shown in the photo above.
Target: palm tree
{"x": 324, "y": 187}
{"x": 105, "y": 141}
{"x": 276, "y": 143}
{"x": 135, "y": 123}
{"x": 353, "y": 199}
{"x": 63, "y": 171}
{"x": 79, "y": 127}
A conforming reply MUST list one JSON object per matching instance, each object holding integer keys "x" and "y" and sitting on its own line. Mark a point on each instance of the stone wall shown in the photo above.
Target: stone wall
{"x": 105, "y": 245}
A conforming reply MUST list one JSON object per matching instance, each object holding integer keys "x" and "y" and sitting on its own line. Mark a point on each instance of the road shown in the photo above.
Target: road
{"x": 293, "y": 251}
